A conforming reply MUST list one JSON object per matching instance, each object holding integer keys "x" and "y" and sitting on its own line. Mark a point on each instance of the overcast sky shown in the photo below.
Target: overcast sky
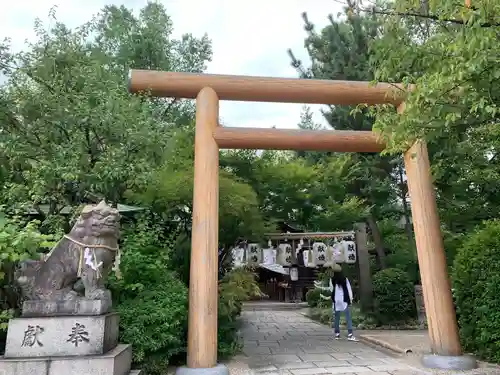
{"x": 249, "y": 38}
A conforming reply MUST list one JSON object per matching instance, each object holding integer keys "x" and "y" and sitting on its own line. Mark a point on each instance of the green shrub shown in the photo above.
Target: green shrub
{"x": 155, "y": 323}
{"x": 324, "y": 277}
{"x": 236, "y": 287}
{"x": 476, "y": 282}
{"x": 401, "y": 252}
{"x": 323, "y": 315}
{"x": 325, "y": 303}
{"x": 19, "y": 240}
{"x": 402, "y": 256}
{"x": 313, "y": 297}
{"x": 394, "y": 296}
{"x": 452, "y": 243}
{"x": 151, "y": 299}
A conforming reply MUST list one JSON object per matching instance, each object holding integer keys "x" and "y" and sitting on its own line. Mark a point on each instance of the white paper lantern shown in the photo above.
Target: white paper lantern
{"x": 309, "y": 259}
{"x": 349, "y": 252}
{"x": 285, "y": 254}
{"x": 269, "y": 256}
{"x": 338, "y": 252}
{"x": 294, "y": 273}
{"x": 330, "y": 258}
{"x": 297, "y": 250}
{"x": 254, "y": 254}
{"x": 319, "y": 250}
{"x": 238, "y": 255}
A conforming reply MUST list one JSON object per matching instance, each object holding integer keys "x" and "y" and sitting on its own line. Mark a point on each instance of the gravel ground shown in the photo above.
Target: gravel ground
{"x": 484, "y": 368}
{"x": 418, "y": 342}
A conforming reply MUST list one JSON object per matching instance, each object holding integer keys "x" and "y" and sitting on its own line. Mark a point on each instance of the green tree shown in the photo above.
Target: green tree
{"x": 449, "y": 53}
{"x": 341, "y": 51}
{"x": 68, "y": 127}
{"x": 169, "y": 189}
{"x": 295, "y": 191}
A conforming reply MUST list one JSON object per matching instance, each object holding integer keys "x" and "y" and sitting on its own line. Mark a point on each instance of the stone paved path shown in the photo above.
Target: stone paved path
{"x": 289, "y": 343}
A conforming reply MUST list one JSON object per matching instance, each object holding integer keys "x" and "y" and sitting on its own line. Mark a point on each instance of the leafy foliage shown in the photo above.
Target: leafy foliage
{"x": 325, "y": 315}
{"x": 476, "y": 279}
{"x": 19, "y": 240}
{"x": 313, "y": 297}
{"x": 170, "y": 190}
{"x": 400, "y": 253}
{"x": 294, "y": 191}
{"x": 394, "y": 296}
{"x": 341, "y": 51}
{"x": 155, "y": 323}
{"x": 152, "y": 318}
{"x": 448, "y": 52}
{"x": 69, "y": 127}
{"x": 236, "y": 287}
{"x": 452, "y": 82}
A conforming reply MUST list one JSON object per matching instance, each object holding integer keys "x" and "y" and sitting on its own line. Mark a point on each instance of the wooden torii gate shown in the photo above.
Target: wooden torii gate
{"x": 208, "y": 90}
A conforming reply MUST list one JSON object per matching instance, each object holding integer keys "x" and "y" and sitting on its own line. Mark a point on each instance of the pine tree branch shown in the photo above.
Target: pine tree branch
{"x": 426, "y": 16}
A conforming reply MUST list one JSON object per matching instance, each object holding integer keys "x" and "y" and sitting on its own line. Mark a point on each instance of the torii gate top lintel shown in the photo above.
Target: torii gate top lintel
{"x": 265, "y": 89}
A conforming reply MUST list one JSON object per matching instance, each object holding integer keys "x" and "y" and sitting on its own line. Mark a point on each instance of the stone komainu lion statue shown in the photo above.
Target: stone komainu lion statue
{"x": 88, "y": 253}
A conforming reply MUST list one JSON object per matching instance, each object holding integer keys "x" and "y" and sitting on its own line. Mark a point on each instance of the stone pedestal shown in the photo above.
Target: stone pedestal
{"x": 69, "y": 345}
{"x": 80, "y": 306}
{"x": 61, "y": 336}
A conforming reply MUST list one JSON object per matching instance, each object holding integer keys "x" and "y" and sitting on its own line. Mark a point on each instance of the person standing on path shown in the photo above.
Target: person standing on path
{"x": 341, "y": 302}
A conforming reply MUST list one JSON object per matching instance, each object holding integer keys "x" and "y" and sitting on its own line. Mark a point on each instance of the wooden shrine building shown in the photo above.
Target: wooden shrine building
{"x": 288, "y": 266}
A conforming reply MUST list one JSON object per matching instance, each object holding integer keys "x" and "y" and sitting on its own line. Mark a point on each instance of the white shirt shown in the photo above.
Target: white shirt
{"x": 338, "y": 301}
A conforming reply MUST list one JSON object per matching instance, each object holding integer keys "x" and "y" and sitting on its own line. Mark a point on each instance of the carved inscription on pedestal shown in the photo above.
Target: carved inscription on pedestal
{"x": 78, "y": 334}
{"x": 61, "y": 336}
{"x": 32, "y": 336}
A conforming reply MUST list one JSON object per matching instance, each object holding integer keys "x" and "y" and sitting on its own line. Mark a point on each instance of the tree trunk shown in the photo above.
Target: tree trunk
{"x": 377, "y": 239}
{"x": 403, "y": 188}
{"x": 365, "y": 276}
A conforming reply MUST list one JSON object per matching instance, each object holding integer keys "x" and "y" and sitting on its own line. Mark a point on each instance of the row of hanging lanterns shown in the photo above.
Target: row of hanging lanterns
{"x": 342, "y": 251}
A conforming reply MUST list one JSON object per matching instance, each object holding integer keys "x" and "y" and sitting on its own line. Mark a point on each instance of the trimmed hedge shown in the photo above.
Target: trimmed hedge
{"x": 394, "y": 296}
{"x": 476, "y": 283}
{"x": 313, "y": 298}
